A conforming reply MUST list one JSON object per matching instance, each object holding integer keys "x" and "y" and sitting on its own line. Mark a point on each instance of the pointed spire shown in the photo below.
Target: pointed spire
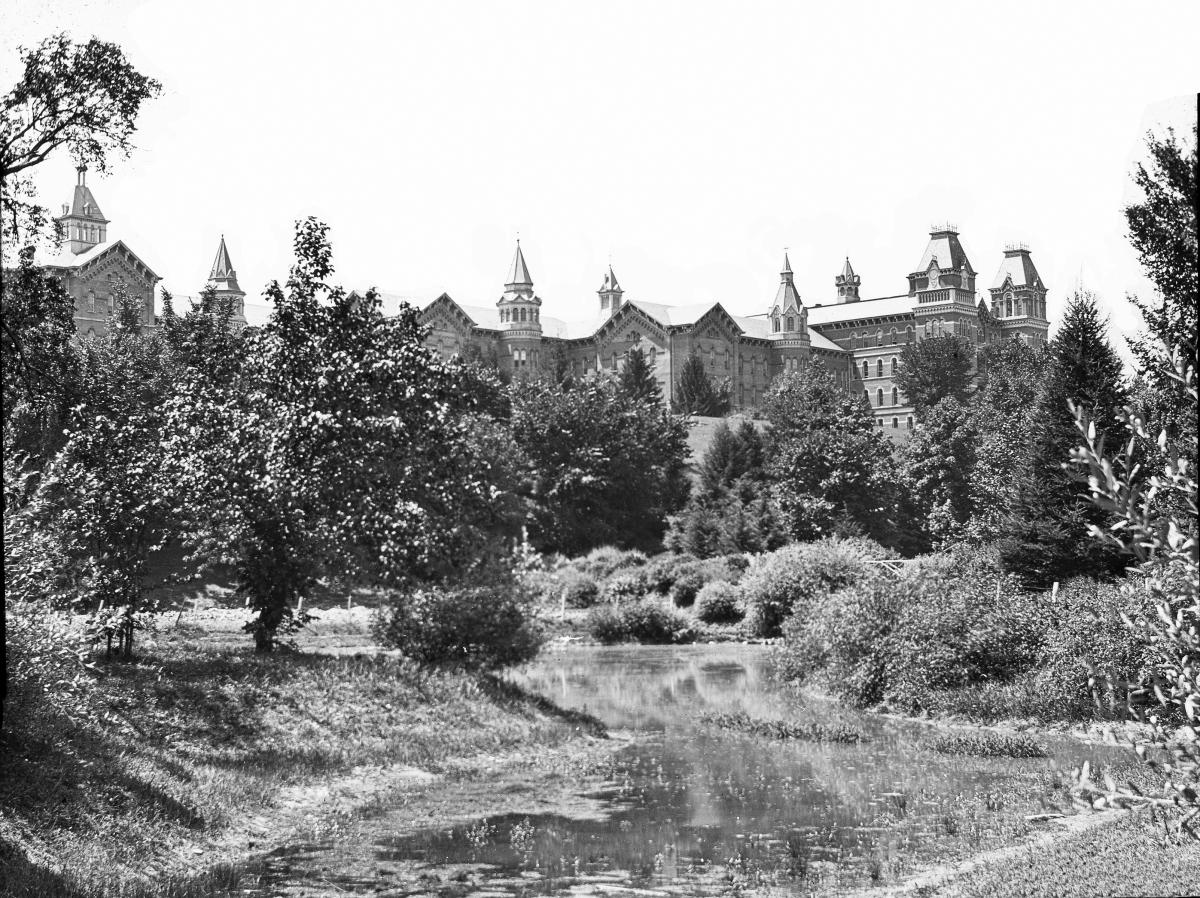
{"x": 847, "y": 270}
{"x": 612, "y": 279}
{"x": 787, "y": 265}
{"x": 847, "y": 283}
{"x": 518, "y": 274}
{"x": 223, "y": 277}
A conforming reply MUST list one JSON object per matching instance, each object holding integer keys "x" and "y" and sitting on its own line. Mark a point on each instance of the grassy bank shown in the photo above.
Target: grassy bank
{"x": 199, "y": 755}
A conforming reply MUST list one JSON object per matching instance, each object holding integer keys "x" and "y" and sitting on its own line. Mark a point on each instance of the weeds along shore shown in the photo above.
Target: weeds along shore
{"x": 200, "y": 754}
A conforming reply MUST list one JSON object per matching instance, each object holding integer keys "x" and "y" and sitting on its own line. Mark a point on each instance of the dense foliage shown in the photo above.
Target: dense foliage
{"x": 934, "y": 369}
{"x": 698, "y": 394}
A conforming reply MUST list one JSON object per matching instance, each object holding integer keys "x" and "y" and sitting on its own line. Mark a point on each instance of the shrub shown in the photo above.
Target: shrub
{"x": 475, "y": 626}
{"x": 645, "y": 621}
{"x": 688, "y": 584}
{"x": 625, "y": 586}
{"x": 796, "y": 575}
{"x": 719, "y": 602}
{"x": 577, "y": 589}
{"x": 661, "y": 571}
{"x": 605, "y": 561}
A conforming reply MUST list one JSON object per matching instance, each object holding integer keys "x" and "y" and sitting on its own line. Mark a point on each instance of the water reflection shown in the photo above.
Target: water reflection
{"x": 699, "y": 810}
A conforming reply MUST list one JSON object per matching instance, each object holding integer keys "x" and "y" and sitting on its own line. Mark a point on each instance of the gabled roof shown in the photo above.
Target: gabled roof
{"x": 69, "y": 260}
{"x": 864, "y": 308}
{"x": 946, "y": 248}
{"x": 1019, "y": 266}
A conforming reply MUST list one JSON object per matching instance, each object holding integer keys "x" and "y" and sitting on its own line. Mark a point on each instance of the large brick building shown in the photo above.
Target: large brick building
{"x": 860, "y": 340}
{"x": 94, "y": 267}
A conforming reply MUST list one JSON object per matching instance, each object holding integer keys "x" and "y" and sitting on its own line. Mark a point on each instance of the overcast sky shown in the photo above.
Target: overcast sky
{"x": 690, "y": 142}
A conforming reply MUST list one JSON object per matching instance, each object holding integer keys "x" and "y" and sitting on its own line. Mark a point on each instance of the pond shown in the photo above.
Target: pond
{"x": 692, "y": 809}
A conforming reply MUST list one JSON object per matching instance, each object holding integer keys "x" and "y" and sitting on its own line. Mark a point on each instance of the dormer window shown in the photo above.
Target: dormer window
{"x": 791, "y": 323}
{"x": 775, "y": 324}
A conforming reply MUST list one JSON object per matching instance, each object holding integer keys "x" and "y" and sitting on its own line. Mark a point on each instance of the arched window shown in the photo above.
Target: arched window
{"x": 879, "y": 338}
{"x": 867, "y": 396}
{"x": 895, "y": 396}
{"x": 866, "y": 369}
{"x": 895, "y": 365}
{"x": 879, "y": 398}
{"x": 928, "y": 329}
{"x": 893, "y": 336}
{"x": 91, "y": 300}
{"x": 1008, "y": 307}
{"x": 712, "y": 357}
{"x": 775, "y": 324}
{"x": 879, "y": 367}
{"x": 652, "y": 351}
{"x": 791, "y": 323}
{"x": 523, "y": 314}
{"x": 908, "y": 334}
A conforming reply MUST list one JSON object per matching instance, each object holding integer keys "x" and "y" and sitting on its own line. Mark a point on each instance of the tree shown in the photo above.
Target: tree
{"x": 731, "y": 510}
{"x": 827, "y": 461}
{"x": 85, "y": 97}
{"x": 340, "y": 446}
{"x": 935, "y": 467}
{"x": 934, "y": 368}
{"x": 604, "y": 470}
{"x": 1162, "y": 228}
{"x": 98, "y": 496}
{"x": 1047, "y": 524}
{"x": 696, "y": 393}
{"x": 637, "y": 378}
{"x": 1003, "y": 411}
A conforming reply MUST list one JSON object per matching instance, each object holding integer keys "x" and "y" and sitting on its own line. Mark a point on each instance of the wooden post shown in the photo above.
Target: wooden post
{"x": 1054, "y": 591}
{"x": 299, "y": 604}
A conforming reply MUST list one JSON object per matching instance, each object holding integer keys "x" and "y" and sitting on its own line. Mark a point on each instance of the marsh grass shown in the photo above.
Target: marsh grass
{"x": 134, "y": 798}
{"x": 986, "y": 744}
{"x": 782, "y": 729}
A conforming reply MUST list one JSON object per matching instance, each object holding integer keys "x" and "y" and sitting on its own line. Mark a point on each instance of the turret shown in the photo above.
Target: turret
{"x": 83, "y": 224}
{"x": 223, "y": 280}
{"x": 520, "y": 318}
{"x": 787, "y": 312}
{"x": 1018, "y": 296}
{"x": 610, "y": 293}
{"x": 847, "y": 283}
{"x": 943, "y": 286}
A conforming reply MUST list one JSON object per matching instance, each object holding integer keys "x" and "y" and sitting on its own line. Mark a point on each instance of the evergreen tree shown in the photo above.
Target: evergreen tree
{"x": 1047, "y": 536}
{"x": 934, "y": 368}
{"x": 696, "y": 393}
{"x": 637, "y": 379}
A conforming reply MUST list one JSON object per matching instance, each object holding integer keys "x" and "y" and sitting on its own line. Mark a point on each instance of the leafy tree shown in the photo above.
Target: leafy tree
{"x": 98, "y": 495}
{"x": 696, "y": 393}
{"x": 1165, "y": 550}
{"x": 934, "y": 368}
{"x": 936, "y": 467}
{"x": 340, "y": 447}
{"x": 1162, "y": 228}
{"x": 1049, "y": 518}
{"x": 637, "y": 378}
{"x": 604, "y": 470}
{"x": 85, "y": 97}
{"x": 827, "y": 461}
{"x": 1003, "y": 411}
{"x": 40, "y": 365}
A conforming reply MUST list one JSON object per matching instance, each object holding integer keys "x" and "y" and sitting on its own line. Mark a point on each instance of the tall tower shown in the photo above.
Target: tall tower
{"x": 223, "y": 279}
{"x": 1019, "y": 296}
{"x": 847, "y": 284}
{"x": 520, "y": 319}
{"x": 789, "y": 321}
{"x": 610, "y": 293}
{"x": 83, "y": 224}
{"x": 943, "y": 287}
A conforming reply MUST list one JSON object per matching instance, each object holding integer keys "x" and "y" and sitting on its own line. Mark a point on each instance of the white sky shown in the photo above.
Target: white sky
{"x": 691, "y": 141}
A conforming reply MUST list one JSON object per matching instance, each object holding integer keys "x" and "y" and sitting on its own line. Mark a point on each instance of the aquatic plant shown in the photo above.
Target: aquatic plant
{"x": 782, "y": 729}
{"x": 986, "y": 744}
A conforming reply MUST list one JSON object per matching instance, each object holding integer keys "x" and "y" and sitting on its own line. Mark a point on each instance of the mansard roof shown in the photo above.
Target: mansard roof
{"x": 946, "y": 248}
{"x": 841, "y": 312}
{"x": 1019, "y": 266}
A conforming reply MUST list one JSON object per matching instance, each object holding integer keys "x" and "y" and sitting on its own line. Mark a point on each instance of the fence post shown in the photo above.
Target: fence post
{"x": 1054, "y": 591}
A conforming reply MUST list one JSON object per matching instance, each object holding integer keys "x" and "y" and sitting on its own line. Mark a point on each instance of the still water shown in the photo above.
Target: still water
{"x": 690, "y": 809}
